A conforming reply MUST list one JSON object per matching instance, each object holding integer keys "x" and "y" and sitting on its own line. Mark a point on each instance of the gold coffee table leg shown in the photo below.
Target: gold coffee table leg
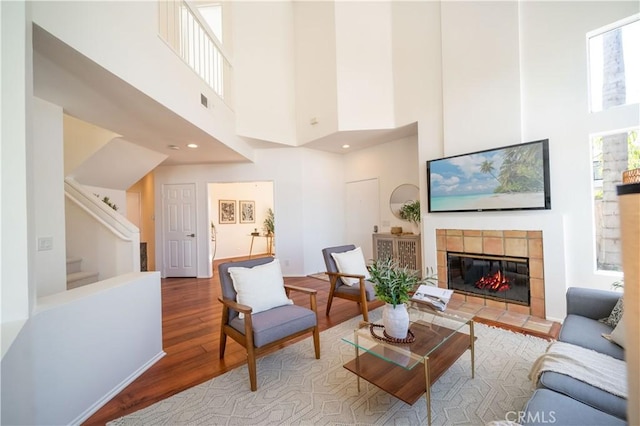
{"x": 473, "y": 355}
{"x": 428, "y": 388}
{"x": 355, "y": 334}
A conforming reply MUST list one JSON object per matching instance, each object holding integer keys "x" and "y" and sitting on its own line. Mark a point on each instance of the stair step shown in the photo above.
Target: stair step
{"x": 73, "y": 264}
{"x": 78, "y": 279}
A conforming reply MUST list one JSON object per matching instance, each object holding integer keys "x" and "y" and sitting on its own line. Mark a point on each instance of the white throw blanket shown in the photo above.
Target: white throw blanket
{"x": 586, "y": 365}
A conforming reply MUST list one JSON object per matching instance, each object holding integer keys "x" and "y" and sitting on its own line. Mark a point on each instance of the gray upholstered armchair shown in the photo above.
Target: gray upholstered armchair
{"x": 361, "y": 292}
{"x": 261, "y": 331}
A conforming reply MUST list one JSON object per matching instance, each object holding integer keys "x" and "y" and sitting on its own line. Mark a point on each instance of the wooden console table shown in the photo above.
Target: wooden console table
{"x": 269, "y": 238}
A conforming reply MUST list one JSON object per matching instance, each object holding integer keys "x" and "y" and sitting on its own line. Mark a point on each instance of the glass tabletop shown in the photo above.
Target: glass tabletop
{"x": 431, "y": 329}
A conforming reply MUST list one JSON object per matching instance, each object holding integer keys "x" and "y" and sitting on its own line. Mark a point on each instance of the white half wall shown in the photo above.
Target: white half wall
{"x": 48, "y": 198}
{"x": 80, "y": 348}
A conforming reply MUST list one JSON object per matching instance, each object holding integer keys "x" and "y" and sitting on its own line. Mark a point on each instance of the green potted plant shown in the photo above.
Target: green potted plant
{"x": 410, "y": 211}
{"x": 392, "y": 285}
{"x": 269, "y": 223}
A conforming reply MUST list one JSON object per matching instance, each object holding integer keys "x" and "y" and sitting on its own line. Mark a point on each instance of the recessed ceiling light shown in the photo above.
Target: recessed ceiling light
{"x": 345, "y": 146}
{"x": 192, "y": 145}
{"x": 175, "y": 147}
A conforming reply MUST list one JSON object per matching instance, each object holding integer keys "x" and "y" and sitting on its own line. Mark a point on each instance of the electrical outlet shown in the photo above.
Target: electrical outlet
{"x": 45, "y": 243}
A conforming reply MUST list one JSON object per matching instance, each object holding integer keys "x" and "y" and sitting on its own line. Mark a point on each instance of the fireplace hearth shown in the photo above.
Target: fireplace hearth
{"x": 501, "y": 278}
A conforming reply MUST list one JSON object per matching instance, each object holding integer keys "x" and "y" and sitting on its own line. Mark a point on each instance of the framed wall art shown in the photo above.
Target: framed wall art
{"x": 226, "y": 211}
{"x": 247, "y": 211}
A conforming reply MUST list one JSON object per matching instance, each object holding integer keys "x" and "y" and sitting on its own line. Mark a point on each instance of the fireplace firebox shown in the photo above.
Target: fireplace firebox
{"x": 502, "y": 278}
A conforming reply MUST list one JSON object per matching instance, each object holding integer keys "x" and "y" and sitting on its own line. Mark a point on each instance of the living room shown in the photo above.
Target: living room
{"x": 471, "y": 76}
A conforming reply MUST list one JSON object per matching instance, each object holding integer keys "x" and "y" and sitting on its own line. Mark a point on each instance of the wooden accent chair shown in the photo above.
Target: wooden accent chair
{"x": 261, "y": 331}
{"x": 361, "y": 293}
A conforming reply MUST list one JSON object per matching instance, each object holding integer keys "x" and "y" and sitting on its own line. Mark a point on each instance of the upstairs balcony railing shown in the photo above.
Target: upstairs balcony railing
{"x": 183, "y": 28}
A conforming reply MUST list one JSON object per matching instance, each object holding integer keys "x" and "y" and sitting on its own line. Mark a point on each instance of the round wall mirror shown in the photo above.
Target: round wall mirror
{"x": 401, "y": 195}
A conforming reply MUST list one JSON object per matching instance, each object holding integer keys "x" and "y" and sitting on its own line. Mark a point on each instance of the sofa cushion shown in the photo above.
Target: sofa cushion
{"x": 547, "y": 407}
{"x": 585, "y": 393}
{"x": 616, "y": 314}
{"x": 587, "y": 332}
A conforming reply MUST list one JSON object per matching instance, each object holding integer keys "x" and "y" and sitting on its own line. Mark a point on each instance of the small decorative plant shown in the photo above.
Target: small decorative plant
{"x": 108, "y": 202}
{"x": 269, "y": 223}
{"x": 393, "y": 283}
{"x": 411, "y": 211}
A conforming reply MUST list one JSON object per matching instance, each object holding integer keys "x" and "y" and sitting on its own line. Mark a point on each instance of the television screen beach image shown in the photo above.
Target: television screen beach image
{"x": 515, "y": 177}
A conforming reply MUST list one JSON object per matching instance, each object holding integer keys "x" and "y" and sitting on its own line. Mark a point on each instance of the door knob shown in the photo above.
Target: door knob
{"x": 191, "y": 235}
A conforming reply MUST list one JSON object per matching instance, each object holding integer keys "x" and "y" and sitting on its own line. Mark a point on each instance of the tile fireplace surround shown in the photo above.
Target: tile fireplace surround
{"x": 501, "y": 243}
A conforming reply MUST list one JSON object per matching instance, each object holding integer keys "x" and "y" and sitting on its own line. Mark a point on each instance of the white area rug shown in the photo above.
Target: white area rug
{"x": 296, "y": 389}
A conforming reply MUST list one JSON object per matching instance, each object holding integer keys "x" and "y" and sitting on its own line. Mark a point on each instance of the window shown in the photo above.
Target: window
{"x": 611, "y": 155}
{"x": 614, "y": 65}
{"x": 614, "y": 85}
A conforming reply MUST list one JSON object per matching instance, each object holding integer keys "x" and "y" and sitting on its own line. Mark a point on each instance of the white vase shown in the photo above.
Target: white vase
{"x": 396, "y": 320}
{"x": 415, "y": 228}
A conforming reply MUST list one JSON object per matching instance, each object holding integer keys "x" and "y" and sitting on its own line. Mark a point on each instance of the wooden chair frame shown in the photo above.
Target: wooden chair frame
{"x": 361, "y": 298}
{"x": 246, "y": 339}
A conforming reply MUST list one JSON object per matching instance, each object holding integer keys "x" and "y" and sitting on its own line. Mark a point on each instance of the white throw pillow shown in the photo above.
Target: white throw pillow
{"x": 617, "y": 335}
{"x": 261, "y": 287}
{"x": 351, "y": 262}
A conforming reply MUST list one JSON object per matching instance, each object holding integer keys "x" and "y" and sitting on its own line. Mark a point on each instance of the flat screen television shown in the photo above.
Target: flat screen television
{"x": 514, "y": 177}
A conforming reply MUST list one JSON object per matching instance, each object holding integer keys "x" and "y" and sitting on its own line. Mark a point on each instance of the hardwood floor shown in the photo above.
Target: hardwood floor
{"x": 191, "y": 317}
{"x": 191, "y": 333}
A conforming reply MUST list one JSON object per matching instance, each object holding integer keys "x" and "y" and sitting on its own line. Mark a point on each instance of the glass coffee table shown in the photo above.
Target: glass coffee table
{"x": 407, "y": 370}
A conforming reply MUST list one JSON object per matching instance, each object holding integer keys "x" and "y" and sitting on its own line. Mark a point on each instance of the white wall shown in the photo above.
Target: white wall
{"x": 80, "y": 348}
{"x": 234, "y": 239}
{"x": 16, "y": 247}
{"x": 480, "y": 75}
{"x": 315, "y": 66}
{"x": 393, "y": 163}
{"x": 286, "y": 168}
{"x": 550, "y": 64}
{"x": 364, "y": 65}
{"x": 264, "y": 70}
{"x": 555, "y": 106}
{"x": 48, "y": 195}
{"x": 123, "y": 38}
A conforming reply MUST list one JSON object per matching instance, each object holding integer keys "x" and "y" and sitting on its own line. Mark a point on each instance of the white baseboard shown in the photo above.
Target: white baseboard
{"x": 116, "y": 390}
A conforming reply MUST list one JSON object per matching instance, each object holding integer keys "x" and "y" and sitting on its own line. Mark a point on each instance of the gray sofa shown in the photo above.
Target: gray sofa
{"x": 570, "y": 401}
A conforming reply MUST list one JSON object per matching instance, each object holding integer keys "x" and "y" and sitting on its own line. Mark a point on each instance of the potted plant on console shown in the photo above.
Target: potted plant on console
{"x": 410, "y": 211}
{"x": 392, "y": 285}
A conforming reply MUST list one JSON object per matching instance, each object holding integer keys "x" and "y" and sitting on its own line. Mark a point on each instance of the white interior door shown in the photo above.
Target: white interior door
{"x": 363, "y": 213}
{"x": 179, "y": 226}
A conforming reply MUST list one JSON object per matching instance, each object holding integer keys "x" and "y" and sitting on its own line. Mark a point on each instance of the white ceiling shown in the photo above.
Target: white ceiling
{"x": 90, "y": 93}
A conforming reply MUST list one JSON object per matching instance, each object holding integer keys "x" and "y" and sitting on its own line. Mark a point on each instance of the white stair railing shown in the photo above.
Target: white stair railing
{"x": 107, "y": 242}
{"x": 183, "y": 28}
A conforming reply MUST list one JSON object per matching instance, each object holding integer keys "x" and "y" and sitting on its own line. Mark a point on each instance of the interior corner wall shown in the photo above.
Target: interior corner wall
{"x": 48, "y": 196}
{"x": 81, "y": 140}
{"x": 480, "y": 75}
{"x": 315, "y": 64}
{"x": 364, "y": 65}
{"x": 393, "y": 164}
{"x": 264, "y": 94}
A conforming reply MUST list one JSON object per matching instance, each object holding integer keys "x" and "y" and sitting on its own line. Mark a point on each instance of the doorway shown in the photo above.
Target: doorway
{"x": 236, "y": 211}
{"x": 363, "y": 213}
{"x": 179, "y": 230}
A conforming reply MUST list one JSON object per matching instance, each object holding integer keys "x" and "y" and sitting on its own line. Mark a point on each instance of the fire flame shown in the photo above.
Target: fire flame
{"x": 496, "y": 282}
